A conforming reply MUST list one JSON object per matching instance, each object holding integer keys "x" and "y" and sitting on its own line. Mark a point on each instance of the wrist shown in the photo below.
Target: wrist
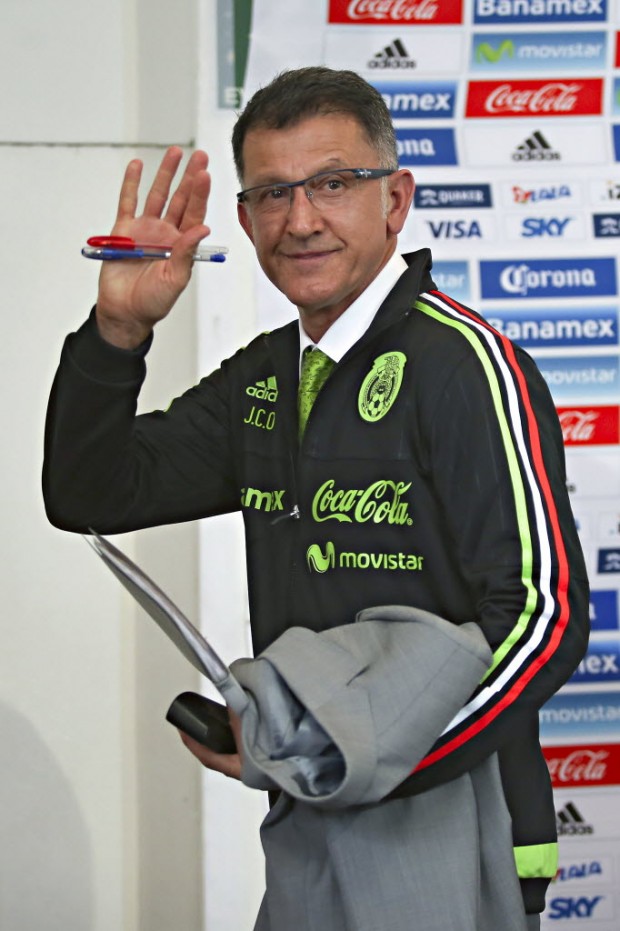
{"x": 123, "y": 334}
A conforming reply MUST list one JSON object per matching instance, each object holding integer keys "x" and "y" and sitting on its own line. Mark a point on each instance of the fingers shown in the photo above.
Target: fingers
{"x": 228, "y": 764}
{"x": 191, "y": 194}
{"x": 160, "y": 189}
{"x": 187, "y": 206}
{"x": 128, "y": 199}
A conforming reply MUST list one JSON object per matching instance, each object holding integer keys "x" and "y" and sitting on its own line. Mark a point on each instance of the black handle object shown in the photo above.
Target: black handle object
{"x": 203, "y": 719}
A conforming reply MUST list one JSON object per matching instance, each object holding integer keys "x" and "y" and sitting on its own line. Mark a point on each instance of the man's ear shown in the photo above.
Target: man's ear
{"x": 244, "y": 220}
{"x": 401, "y": 189}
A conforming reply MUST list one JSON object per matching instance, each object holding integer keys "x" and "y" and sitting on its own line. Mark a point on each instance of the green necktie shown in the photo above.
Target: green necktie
{"x": 315, "y": 367}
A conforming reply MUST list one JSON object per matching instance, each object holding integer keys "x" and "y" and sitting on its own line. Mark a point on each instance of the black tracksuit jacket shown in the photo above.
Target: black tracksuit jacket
{"x": 431, "y": 473}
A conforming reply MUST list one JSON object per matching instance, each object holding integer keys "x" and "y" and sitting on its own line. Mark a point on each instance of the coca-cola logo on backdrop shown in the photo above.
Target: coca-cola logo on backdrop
{"x": 590, "y": 426}
{"x": 562, "y": 97}
{"x": 594, "y": 765}
{"x": 392, "y": 12}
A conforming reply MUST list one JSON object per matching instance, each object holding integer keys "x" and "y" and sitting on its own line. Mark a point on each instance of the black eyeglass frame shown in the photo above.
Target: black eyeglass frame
{"x": 362, "y": 174}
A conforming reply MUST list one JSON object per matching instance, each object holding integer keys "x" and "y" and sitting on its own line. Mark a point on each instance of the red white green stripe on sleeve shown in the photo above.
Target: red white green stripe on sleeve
{"x": 538, "y": 630}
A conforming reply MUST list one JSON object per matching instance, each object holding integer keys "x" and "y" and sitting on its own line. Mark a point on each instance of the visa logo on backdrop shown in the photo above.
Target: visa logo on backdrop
{"x": 556, "y": 278}
{"x": 600, "y": 664}
{"x": 540, "y": 329}
{"x": 419, "y": 100}
{"x": 540, "y": 11}
{"x": 542, "y": 51}
{"x": 457, "y": 196}
{"x": 454, "y": 229}
{"x": 426, "y": 146}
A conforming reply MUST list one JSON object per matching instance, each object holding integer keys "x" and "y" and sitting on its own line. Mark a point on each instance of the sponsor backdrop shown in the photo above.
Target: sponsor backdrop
{"x": 508, "y": 113}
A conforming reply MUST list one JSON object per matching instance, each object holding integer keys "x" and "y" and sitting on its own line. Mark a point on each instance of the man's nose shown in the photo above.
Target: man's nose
{"x": 303, "y": 217}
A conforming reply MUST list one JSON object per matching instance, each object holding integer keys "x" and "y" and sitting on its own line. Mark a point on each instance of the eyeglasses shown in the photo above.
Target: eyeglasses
{"x": 326, "y": 189}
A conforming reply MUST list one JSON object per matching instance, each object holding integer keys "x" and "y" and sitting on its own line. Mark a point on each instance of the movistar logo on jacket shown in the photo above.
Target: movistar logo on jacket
{"x": 264, "y": 390}
{"x": 381, "y": 501}
{"x": 321, "y": 559}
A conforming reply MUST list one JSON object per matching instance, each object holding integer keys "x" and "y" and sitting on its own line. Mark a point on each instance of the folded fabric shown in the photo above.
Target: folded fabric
{"x": 341, "y": 717}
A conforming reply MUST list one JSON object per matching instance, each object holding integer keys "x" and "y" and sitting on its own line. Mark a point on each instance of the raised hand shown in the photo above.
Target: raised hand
{"x": 135, "y": 295}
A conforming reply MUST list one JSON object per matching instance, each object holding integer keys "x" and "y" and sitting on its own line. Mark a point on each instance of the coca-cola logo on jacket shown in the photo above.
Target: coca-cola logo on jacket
{"x": 562, "y": 97}
{"x": 590, "y": 426}
{"x": 594, "y": 765}
{"x": 392, "y": 12}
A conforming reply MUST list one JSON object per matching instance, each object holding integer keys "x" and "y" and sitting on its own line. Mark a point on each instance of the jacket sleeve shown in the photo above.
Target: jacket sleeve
{"x": 107, "y": 469}
{"x": 497, "y": 461}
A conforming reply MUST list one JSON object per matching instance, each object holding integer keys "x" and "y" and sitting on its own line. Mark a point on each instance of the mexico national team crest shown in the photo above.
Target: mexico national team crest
{"x": 381, "y": 386}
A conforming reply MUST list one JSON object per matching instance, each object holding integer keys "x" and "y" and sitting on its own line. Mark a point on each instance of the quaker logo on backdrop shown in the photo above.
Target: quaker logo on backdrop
{"x": 453, "y": 278}
{"x": 579, "y": 376}
{"x": 426, "y": 147}
{"x": 541, "y": 194}
{"x": 606, "y": 225}
{"x": 542, "y": 329}
{"x": 540, "y": 11}
{"x": 576, "y": 716}
{"x": 454, "y": 229}
{"x": 405, "y": 12}
{"x": 428, "y": 99}
{"x": 604, "y": 610}
{"x": 457, "y": 196}
{"x": 542, "y": 51}
{"x": 574, "y": 907}
{"x": 608, "y": 561}
{"x": 522, "y": 98}
{"x": 555, "y": 278}
{"x": 544, "y": 226}
{"x": 600, "y": 664}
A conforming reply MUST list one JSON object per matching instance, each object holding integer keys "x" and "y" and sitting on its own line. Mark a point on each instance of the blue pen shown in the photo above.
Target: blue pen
{"x": 107, "y": 253}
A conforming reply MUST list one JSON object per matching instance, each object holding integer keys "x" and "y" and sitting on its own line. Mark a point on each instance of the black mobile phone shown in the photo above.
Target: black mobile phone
{"x": 203, "y": 719}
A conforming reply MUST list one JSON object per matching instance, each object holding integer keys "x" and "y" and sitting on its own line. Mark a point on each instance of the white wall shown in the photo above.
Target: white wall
{"x": 100, "y": 806}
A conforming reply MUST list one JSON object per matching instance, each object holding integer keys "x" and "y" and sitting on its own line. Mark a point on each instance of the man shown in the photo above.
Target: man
{"x": 428, "y": 472}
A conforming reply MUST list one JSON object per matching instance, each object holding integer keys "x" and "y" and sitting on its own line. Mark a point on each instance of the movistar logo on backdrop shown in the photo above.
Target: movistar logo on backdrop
{"x": 321, "y": 559}
{"x": 381, "y": 386}
{"x": 381, "y": 501}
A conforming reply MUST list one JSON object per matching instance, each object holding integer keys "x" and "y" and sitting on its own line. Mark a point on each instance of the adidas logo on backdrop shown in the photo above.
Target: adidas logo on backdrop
{"x": 535, "y": 149}
{"x": 392, "y": 56}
